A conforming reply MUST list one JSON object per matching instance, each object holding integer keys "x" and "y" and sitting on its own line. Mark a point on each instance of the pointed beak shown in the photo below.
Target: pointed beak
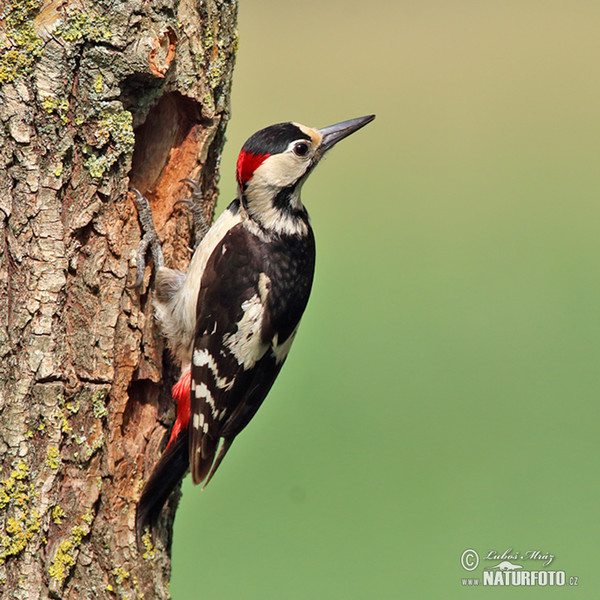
{"x": 334, "y": 133}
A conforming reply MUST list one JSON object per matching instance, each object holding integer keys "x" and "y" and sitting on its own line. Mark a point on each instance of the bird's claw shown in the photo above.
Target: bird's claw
{"x": 196, "y": 207}
{"x": 149, "y": 239}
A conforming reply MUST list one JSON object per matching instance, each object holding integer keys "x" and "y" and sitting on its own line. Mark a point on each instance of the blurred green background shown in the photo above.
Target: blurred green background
{"x": 442, "y": 393}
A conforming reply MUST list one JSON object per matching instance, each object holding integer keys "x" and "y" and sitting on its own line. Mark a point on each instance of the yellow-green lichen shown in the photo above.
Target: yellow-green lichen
{"x": 17, "y": 12}
{"x": 21, "y": 472}
{"x": 57, "y": 514}
{"x": 73, "y": 408}
{"x": 64, "y": 423}
{"x": 98, "y": 405}
{"x": 149, "y": 549}
{"x": 121, "y": 574}
{"x": 136, "y": 587}
{"x": 63, "y": 561}
{"x": 19, "y": 532}
{"x": 64, "y": 558}
{"x": 24, "y": 522}
{"x": 49, "y": 104}
{"x": 53, "y": 457}
{"x": 98, "y": 84}
{"x": 115, "y": 134}
{"x": 216, "y": 54}
{"x": 215, "y": 73}
{"x": 88, "y": 516}
{"x": 61, "y": 416}
{"x": 209, "y": 34}
{"x": 58, "y": 171}
{"x": 83, "y": 26}
{"x": 13, "y": 489}
{"x": 96, "y": 445}
{"x": 63, "y": 111}
{"x": 22, "y": 44}
{"x": 115, "y": 126}
{"x": 78, "y": 533}
{"x": 208, "y": 101}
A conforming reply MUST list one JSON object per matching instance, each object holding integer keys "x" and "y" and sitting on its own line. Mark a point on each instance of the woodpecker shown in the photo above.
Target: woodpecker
{"x": 231, "y": 318}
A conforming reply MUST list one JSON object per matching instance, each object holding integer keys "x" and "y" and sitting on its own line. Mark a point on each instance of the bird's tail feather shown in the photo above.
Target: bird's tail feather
{"x": 167, "y": 473}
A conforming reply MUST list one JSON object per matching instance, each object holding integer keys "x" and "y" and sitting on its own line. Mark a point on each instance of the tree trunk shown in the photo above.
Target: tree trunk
{"x": 96, "y": 97}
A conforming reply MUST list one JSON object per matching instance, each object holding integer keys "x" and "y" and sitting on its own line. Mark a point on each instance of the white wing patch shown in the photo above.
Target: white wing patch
{"x": 264, "y": 283}
{"x": 204, "y": 358}
{"x": 280, "y": 351}
{"x": 245, "y": 343}
{"x": 201, "y": 391}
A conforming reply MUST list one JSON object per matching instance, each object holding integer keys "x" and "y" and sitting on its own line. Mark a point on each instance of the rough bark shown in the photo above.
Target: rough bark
{"x": 95, "y": 97}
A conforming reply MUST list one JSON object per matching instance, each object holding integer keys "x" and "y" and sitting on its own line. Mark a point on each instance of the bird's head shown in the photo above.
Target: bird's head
{"x": 274, "y": 163}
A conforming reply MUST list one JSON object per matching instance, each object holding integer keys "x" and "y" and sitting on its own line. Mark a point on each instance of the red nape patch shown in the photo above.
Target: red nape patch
{"x": 181, "y": 392}
{"x": 247, "y": 163}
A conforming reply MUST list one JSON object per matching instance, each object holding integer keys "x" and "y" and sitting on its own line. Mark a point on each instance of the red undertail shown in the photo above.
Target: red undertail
{"x": 181, "y": 395}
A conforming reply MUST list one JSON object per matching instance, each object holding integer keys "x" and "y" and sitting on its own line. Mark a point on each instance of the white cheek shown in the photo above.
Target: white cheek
{"x": 275, "y": 173}
{"x": 280, "y": 170}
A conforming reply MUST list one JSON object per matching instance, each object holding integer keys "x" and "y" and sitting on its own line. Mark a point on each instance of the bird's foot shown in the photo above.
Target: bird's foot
{"x": 196, "y": 205}
{"x": 149, "y": 239}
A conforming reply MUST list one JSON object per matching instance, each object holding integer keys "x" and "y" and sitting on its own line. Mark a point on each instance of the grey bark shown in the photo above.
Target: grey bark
{"x": 95, "y": 97}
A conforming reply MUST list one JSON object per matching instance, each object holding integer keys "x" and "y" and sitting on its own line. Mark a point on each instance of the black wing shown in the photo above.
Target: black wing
{"x": 252, "y": 297}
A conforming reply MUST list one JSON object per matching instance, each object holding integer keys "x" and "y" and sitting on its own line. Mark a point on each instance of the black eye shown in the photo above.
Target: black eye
{"x": 301, "y": 149}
